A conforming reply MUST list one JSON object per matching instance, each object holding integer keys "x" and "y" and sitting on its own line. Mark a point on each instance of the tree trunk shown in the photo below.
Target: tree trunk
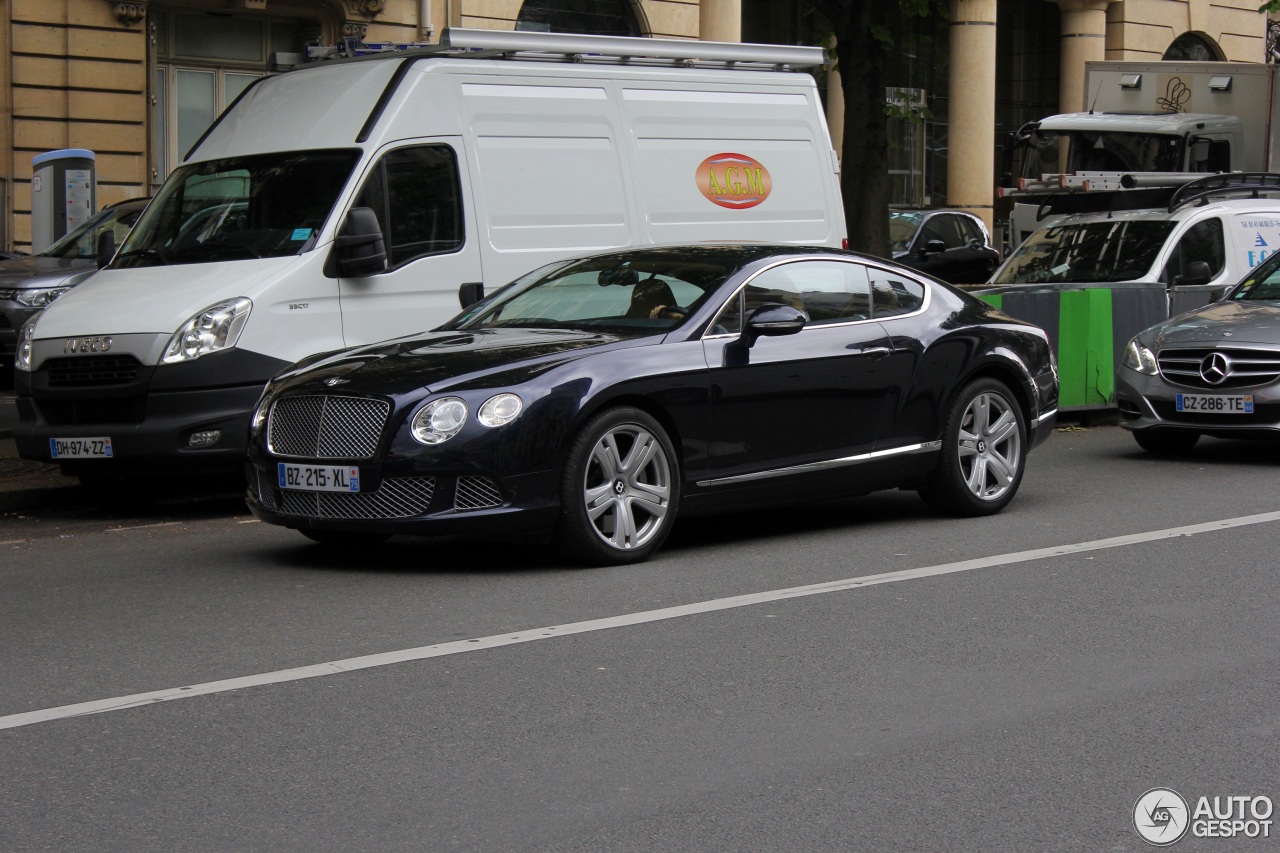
{"x": 864, "y": 167}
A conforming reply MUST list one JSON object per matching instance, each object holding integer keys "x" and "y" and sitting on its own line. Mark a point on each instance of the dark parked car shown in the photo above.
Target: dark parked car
{"x": 948, "y": 244}
{"x": 1212, "y": 371}
{"x": 29, "y": 283}
{"x": 593, "y": 400}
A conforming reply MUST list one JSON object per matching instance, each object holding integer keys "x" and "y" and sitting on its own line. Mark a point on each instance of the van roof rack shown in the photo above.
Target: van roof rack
{"x": 468, "y": 43}
{"x": 1226, "y": 184}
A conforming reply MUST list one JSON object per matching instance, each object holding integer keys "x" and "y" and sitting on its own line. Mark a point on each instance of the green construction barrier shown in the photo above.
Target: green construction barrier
{"x": 1088, "y": 338}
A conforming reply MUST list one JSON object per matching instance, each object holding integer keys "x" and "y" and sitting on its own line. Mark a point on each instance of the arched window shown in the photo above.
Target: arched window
{"x": 1193, "y": 47}
{"x": 596, "y": 17}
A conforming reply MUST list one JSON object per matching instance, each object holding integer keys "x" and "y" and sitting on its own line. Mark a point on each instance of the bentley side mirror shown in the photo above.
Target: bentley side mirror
{"x": 772, "y": 320}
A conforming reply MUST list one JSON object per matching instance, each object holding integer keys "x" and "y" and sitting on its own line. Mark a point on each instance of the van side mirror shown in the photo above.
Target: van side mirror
{"x": 360, "y": 248}
{"x": 1198, "y": 272}
{"x": 772, "y": 320}
{"x": 106, "y": 248}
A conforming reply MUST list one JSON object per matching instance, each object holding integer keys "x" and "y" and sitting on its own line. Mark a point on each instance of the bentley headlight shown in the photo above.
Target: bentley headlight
{"x": 439, "y": 420}
{"x": 500, "y": 409}
{"x": 215, "y": 328}
{"x": 26, "y": 340}
{"x": 39, "y": 297}
{"x": 1138, "y": 357}
{"x": 259, "y": 421}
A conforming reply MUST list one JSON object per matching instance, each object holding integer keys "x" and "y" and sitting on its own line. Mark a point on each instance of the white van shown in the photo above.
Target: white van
{"x": 1189, "y": 252}
{"x": 353, "y": 201}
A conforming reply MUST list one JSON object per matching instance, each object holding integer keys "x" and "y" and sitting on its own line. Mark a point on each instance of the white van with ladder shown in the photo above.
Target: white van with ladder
{"x": 353, "y": 201}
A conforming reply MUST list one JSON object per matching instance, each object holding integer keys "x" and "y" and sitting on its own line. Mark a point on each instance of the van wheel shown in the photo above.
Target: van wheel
{"x": 1166, "y": 442}
{"x": 619, "y": 490}
{"x": 983, "y": 452}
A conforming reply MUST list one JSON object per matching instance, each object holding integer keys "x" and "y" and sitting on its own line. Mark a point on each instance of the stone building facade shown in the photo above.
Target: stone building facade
{"x": 137, "y": 81}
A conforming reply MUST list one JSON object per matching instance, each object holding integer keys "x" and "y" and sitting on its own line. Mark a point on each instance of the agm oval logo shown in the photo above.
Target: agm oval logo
{"x": 734, "y": 180}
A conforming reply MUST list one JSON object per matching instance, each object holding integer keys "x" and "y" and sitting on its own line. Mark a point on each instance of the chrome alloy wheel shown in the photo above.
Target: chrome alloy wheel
{"x": 627, "y": 486}
{"x": 990, "y": 446}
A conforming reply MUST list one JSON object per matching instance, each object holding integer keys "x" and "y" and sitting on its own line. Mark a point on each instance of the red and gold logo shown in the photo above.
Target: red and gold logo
{"x": 734, "y": 180}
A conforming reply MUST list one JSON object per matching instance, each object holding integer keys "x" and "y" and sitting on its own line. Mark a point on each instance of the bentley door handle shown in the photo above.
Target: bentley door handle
{"x": 876, "y": 352}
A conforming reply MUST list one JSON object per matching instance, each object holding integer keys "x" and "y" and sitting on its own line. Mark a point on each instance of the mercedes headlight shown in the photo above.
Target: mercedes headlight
{"x": 439, "y": 420}
{"x": 1140, "y": 358}
{"x": 500, "y": 409}
{"x": 39, "y": 297}
{"x": 26, "y": 340}
{"x": 215, "y": 328}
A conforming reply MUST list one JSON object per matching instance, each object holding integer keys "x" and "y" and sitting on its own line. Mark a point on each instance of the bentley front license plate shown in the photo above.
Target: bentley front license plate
{"x": 1216, "y": 404}
{"x": 98, "y": 447}
{"x": 319, "y": 478}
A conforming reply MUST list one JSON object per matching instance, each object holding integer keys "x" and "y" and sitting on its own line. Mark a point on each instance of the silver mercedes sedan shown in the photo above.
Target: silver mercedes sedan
{"x": 1213, "y": 371}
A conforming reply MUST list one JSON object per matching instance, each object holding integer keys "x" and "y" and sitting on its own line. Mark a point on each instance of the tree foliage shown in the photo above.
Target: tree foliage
{"x": 865, "y": 34}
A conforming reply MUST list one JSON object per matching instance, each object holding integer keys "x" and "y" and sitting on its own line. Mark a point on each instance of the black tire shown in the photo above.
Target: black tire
{"x": 1166, "y": 442}
{"x": 984, "y": 451}
{"x": 345, "y": 538}
{"x": 619, "y": 490}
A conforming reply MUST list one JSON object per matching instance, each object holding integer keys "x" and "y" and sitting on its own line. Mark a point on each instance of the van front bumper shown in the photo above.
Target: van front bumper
{"x": 151, "y": 421}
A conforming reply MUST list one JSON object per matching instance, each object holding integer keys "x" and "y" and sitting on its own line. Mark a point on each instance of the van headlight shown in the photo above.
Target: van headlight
{"x": 215, "y": 328}
{"x": 26, "y": 342}
{"x": 39, "y": 297}
{"x": 439, "y": 420}
{"x": 1140, "y": 358}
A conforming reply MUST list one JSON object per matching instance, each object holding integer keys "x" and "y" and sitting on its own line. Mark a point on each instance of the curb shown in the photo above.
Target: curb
{"x": 41, "y": 497}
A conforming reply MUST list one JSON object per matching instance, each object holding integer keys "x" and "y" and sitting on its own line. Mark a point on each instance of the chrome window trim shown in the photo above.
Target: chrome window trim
{"x": 828, "y": 464}
{"x": 924, "y": 305}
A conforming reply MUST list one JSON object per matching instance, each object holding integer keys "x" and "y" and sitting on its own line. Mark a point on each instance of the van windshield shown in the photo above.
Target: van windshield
{"x": 261, "y": 206}
{"x": 1112, "y": 250}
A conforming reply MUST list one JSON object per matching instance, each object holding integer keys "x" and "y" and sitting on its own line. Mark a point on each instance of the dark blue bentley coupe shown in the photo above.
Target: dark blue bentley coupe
{"x": 593, "y": 400}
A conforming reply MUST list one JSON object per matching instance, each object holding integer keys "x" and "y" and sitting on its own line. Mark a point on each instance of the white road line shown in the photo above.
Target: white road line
{"x": 144, "y": 526}
{"x": 457, "y": 647}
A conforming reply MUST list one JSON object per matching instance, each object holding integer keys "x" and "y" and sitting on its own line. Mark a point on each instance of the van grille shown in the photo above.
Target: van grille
{"x": 396, "y": 498}
{"x": 92, "y": 371}
{"x": 1245, "y": 367}
{"x": 319, "y": 427}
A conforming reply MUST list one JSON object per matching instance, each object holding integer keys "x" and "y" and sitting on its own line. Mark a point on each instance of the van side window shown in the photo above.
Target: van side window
{"x": 1202, "y": 242}
{"x": 416, "y": 196}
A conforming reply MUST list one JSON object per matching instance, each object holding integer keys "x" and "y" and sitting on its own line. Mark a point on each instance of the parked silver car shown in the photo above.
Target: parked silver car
{"x": 1212, "y": 371}
{"x": 29, "y": 283}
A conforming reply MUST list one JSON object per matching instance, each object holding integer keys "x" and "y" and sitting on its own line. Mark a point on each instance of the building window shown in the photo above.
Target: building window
{"x": 1193, "y": 47}
{"x": 203, "y": 61}
{"x": 597, "y": 17}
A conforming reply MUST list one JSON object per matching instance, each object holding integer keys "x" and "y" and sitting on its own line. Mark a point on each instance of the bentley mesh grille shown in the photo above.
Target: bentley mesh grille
{"x": 318, "y": 427}
{"x": 396, "y": 498}
{"x": 1246, "y": 367}
{"x": 92, "y": 370}
{"x": 476, "y": 493}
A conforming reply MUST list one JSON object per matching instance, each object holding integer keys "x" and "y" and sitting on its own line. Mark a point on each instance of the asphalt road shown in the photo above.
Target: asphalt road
{"x": 1013, "y": 683}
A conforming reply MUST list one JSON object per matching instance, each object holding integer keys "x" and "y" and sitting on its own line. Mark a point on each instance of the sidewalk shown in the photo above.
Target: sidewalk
{"x": 25, "y": 484}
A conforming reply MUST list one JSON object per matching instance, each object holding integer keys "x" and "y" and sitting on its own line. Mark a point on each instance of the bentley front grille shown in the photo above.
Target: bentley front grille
{"x": 397, "y": 498}
{"x": 1215, "y": 368}
{"x": 476, "y": 493}
{"x": 318, "y": 427}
